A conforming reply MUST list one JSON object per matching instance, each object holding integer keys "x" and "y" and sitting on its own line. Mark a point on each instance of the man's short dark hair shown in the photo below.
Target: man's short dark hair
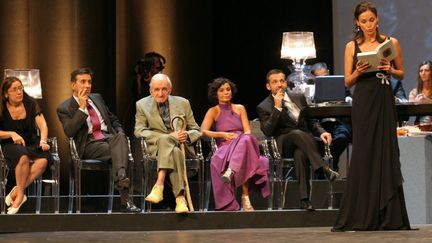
{"x": 273, "y": 71}
{"x": 80, "y": 71}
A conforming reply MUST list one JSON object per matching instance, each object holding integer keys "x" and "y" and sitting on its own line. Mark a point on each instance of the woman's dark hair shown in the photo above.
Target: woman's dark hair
{"x": 144, "y": 65}
{"x": 144, "y": 70}
{"x": 6, "y": 84}
{"x": 215, "y": 85}
{"x": 419, "y": 81}
{"x": 358, "y": 33}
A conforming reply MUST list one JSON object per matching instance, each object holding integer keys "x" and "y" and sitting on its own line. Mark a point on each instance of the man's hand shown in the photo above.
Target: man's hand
{"x": 278, "y": 98}
{"x": 82, "y": 98}
{"x": 182, "y": 136}
{"x": 326, "y": 137}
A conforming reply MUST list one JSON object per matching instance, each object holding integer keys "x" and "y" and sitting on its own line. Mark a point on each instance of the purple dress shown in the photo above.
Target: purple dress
{"x": 242, "y": 156}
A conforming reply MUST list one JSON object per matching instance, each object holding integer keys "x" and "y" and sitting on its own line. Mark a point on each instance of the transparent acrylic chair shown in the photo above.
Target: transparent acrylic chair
{"x": 36, "y": 188}
{"x": 77, "y": 165}
{"x": 194, "y": 165}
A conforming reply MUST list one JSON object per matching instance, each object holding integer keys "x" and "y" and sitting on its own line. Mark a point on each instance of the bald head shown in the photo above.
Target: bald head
{"x": 160, "y": 87}
{"x": 160, "y": 77}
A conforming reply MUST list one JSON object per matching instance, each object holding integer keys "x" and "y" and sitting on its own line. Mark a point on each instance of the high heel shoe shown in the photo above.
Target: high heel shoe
{"x": 226, "y": 177}
{"x": 246, "y": 204}
{"x": 12, "y": 210}
{"x": 8, "y": 198}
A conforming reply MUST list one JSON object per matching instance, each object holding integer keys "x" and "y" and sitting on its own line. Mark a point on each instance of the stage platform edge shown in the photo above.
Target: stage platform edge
{"x": 162, "y": 221}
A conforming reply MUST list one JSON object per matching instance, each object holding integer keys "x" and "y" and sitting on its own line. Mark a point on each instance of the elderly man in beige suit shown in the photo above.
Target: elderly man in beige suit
{"x": 153, "y": 122}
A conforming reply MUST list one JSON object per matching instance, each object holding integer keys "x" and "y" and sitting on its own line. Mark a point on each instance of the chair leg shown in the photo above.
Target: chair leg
{"x": 3, "y": 181}
{"x": 271, "y": 178}
{"x": 71, "y": 193}
{"x": 78, "y": 189}
{"x": 143, "y": 187}
{"x": 207, "y": 188}
{"x": 111, "y": 191}
{"x": 201, "y": 185}
{"x": 38, "y": 194}
{"x": 55, "y": 187}
{"x": 2, "y": 196}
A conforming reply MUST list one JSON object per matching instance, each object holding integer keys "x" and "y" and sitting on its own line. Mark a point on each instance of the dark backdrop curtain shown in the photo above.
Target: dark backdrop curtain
{"x": 201, "y": 40}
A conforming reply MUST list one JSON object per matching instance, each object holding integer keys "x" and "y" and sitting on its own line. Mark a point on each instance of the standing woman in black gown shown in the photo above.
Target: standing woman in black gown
{"x": 20, "y": 118}
{"x": 374, "y": 198}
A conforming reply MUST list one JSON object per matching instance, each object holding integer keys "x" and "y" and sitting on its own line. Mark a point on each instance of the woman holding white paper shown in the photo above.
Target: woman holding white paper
{"x": 374, "y": 198}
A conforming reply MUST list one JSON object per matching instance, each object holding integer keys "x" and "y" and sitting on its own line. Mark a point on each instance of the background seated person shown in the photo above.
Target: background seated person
{"x": 20, "y": 117}
{"x": 339, "y": 128}
{"x": 237, "y": 161}
{"x": 423, "y": 92}
{"x": 284, "y": 115}
{"x": 153, "y": 122}
{"x": 320, "y": 69}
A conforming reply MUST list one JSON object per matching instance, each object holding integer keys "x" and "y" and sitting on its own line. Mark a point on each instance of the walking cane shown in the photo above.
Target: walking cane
{"x": 182, "y": 146}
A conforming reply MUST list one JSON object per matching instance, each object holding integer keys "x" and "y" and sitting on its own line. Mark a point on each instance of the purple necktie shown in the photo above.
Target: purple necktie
{"x": 97, "y": 132}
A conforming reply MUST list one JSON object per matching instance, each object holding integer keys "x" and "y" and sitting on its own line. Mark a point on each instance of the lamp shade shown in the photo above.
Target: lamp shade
{"x": 298, "y": 45}
{"x": 30, "y": 79}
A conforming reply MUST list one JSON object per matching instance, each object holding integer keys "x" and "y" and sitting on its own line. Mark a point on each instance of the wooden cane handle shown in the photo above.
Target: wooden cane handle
{"x": 182, "y": 120}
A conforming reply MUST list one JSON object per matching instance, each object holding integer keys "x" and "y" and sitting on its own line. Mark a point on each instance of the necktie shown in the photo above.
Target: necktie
{"x": 96, "y": 123}
{"x": 164, "y": 112}
{"x": 294, "y": 111}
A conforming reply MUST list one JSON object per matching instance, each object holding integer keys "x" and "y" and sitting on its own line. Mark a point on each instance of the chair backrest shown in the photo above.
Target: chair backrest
{"x": 256, "y": 128}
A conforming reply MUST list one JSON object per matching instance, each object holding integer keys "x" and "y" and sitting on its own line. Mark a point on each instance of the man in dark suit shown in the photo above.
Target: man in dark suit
{"x": 284, "y": 115}
{"x": 97, "y": 132}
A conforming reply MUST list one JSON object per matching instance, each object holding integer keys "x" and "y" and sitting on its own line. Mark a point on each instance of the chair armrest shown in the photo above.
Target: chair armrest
{"x": 73, "y": 150}
{"x": 52, "y": 142}
{"x": 144, "y": 148}
{"x": 198, "y": 149}
{"x": 213, "y": 145}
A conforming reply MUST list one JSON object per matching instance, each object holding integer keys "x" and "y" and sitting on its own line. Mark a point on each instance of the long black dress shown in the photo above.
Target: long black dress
{"x": 374, "y": 198}
{"x": 27, "y": 129}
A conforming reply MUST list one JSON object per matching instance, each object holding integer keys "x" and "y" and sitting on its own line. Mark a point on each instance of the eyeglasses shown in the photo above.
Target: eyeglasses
{"x": 16, "y": 89}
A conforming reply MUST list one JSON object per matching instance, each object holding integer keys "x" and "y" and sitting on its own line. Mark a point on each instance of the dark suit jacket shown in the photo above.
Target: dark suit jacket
{"x": 275, "y": 122}
{"x": 74, "y": 120}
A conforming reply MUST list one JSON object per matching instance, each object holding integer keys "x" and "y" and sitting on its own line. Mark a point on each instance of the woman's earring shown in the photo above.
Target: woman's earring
{"x": 358, "y": 28}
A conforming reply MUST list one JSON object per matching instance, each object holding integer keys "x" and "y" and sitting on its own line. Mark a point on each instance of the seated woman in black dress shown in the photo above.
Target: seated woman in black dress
{"x": 24, "y": 150}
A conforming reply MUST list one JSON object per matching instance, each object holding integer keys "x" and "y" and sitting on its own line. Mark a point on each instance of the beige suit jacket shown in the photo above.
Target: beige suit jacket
{"x": 149, "y": 124}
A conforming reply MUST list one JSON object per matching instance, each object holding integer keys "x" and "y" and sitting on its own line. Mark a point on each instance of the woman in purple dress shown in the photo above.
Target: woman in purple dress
{"x": 236, "y": 162}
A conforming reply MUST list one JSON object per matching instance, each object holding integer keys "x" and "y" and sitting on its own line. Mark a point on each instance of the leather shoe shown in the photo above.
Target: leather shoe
{"x": 181, "y": 205}
{"x": 130, "y": 207}
{"x": 330, "y": 174}
{"x": 156, "y": 194}
{"x": 306, "y": 205}
{"x": 122, "y": 183}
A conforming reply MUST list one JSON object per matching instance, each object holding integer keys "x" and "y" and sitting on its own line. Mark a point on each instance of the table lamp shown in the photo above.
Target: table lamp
{"x": 298, "y": 46}
{"x": 30, "y": 79}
